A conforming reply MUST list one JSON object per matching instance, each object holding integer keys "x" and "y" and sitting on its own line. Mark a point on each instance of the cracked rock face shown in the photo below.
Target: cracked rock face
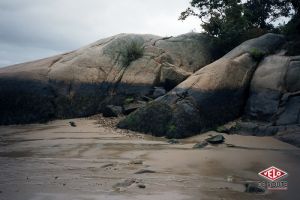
{"x": 211, "y": 96}
{"x": 81, "y": 82}
{"x": 275, "y": 91}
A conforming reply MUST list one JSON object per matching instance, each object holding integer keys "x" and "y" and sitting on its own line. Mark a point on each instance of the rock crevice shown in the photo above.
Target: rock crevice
{"x": 82, "y": 82}
{"x": 213, "y": 95}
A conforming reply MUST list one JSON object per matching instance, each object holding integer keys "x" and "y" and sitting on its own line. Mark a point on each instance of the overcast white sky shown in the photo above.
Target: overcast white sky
{"x": 33, "y": 29}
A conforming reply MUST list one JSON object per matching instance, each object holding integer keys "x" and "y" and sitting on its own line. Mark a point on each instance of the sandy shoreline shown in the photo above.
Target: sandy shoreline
{"x": 57, "y": 161}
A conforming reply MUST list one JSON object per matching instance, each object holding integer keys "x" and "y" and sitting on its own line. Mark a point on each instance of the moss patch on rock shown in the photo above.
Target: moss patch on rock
{"x": 152, "y": 119}
{"x": 257, "y": 54}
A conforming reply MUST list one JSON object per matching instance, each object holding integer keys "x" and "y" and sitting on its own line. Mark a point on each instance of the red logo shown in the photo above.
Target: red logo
{"x": 272, "y": 173}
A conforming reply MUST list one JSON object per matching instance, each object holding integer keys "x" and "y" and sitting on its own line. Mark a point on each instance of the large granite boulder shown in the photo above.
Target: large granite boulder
{"x": 275, "y": 91}
{"x": 274, "y": 100}
{"x": 25, "y": 95}
{"x": 266, "y": 88}
{"x": 213, "y": 95}
{"x": 171, "y": 76}
{"x": 84, "y": 81}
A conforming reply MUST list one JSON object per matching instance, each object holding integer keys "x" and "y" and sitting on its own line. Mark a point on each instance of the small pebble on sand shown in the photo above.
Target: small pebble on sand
{"x": 142, "y": 186}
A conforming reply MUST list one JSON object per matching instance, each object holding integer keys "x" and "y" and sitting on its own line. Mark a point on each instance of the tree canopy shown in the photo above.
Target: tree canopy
{"x": 232, "y": 21}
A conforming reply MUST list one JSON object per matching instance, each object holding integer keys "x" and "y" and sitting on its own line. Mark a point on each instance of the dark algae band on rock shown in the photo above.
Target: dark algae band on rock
{"x": 166, "y": 86}
{"x": 107, "y": 72}
{"x": 152, "y": 119}
{"x": 215, "y": 94}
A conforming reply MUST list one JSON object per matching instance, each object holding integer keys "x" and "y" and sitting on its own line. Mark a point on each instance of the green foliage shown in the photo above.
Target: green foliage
{"x": 257, "y": 54}
{"x": 171, "y": 128}
{"x": 221, "y": 129}
{"x": 293, "y": 48}
{"x": 292, "y": 32}
{"x": 128, "y": 100}
{"x": 292, "y": 28}
{"x": 131, "y": 52}
{"x": 130, "y": 120}
{"x": 230, "y": 22}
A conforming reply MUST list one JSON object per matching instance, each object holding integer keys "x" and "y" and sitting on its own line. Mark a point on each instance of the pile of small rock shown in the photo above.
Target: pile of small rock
{"x": 108, "y": 122}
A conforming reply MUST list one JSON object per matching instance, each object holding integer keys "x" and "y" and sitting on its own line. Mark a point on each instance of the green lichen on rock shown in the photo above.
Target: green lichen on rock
{"x": 171, "y": 128}
{"x": 257, "y": 54}
{"x": 129, "y": 100}
{"x": 158, "y": 114}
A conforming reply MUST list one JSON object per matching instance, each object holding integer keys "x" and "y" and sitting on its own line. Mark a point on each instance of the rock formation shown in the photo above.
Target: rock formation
{"x": 274, "y": 99}
{"x": 82, "y": 82}
{"x": 275, "y": 91}
{"x": 168, "y": 86}
{"x": 213, "y": 95}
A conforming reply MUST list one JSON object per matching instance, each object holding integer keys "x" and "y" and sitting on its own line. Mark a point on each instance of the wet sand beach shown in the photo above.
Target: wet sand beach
{"x": 56, "y": 161}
